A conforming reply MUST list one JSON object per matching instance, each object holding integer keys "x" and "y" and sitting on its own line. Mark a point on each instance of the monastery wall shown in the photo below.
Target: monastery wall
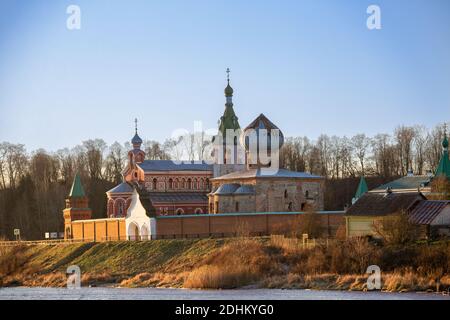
{"x": 99, "y": 230}
{"x": 217, "y": 225}
{"x": 209, "y": 225}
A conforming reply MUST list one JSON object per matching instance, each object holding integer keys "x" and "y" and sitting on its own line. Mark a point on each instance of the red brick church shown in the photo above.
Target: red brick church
{"x": 175, "y": 189}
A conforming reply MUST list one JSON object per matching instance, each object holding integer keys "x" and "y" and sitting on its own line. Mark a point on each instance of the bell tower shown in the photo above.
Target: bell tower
{"x": 226, "y": 149}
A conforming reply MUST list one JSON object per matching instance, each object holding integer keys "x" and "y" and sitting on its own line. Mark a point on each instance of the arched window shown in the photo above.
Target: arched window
{"x": 183, "y": 183}
{"x": 155, "y": 184}
{"x": 237, "y": 206}
{"x": 285, "y": 194}
{"x": 170, "y": 183}
{"x": 194, "y": 184}
{"x": 120, "y": 208}
{"x": 207, "y": 184}
{"x": 179, "y": 212}
{"x": 198, "y": 211}
{"x": 176, "y": 184}
{"x": 307, "y": 194}
{"x": 290, "y": 206}
{"x": 189, "y": 183}
{"x": 202, "y": 184}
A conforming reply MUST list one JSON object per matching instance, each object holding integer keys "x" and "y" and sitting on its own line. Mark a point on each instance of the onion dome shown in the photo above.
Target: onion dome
{"x": 445, "y": 142}
{"x": 136, "y": 139}
{"x": 228, "y": 90}
{"x": 262, "y": 122}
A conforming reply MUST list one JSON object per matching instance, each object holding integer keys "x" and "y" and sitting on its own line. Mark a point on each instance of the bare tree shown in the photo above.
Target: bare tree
{"x": 404, "y": 137}
{"x": 361, "y": 145}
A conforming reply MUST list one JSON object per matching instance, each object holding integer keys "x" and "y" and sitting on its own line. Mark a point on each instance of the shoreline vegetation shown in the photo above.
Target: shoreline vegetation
{"x": 264, "y": 262}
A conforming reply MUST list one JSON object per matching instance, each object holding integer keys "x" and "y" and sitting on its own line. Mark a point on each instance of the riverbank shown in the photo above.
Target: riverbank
{"x": 121, "y": 294}
{"x": 229, "y": 263}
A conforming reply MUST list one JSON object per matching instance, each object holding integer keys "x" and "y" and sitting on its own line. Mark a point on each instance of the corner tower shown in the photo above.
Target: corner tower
{"x": 77, "y": 206}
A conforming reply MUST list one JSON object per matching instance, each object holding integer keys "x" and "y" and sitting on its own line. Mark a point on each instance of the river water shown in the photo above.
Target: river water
{"x": 184, "y": 294}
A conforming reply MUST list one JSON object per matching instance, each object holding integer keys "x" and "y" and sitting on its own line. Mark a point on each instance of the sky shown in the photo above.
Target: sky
{"x": 312, "y": 67}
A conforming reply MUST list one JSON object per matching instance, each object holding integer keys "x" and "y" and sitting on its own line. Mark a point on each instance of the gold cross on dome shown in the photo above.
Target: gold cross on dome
{"x": 228, "y": 74}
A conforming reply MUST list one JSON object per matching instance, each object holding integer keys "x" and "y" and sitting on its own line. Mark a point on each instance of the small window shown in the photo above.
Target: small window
{"x": 170, "y": 184}
{"x": 216, "y": 207}
{"x": 290, "y": 206}
{"x": 237, "y": 206}
{"x": 285, "y": 194}
{"x": 155, "y": 184}
{"x": 307, "y": 194}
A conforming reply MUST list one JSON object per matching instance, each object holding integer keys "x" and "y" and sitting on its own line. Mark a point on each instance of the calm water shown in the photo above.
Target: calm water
{"x": 183, "y": 294}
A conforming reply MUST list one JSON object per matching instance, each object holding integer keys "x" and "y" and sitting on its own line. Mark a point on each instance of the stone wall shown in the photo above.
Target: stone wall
{"x": 271, "y": 195}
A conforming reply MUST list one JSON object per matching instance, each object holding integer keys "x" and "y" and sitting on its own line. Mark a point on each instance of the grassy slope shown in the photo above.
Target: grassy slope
{"x": 113, "y": 260}
{"x": 219, "y": 263}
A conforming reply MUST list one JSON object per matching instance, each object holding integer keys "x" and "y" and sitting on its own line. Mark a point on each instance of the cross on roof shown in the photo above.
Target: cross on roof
{"x": 228, "y": 74}
{"x": 135, "y": 124}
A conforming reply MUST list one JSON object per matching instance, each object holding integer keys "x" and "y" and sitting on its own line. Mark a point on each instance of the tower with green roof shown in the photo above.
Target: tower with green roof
{"x": 77, "y": 206}
{"x": 362, "y": 189}
{"x": 226, "y": 153}
{"x": 443, "y": 169}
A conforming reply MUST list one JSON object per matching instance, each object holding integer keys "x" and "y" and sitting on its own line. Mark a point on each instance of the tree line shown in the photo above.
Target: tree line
{"x": 33, "y": 185}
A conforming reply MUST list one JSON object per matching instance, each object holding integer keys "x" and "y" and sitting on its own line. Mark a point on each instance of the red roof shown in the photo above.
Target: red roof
{"x": 424, "y": 212}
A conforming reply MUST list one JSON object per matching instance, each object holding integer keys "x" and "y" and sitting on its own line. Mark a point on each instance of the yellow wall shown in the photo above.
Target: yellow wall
{"x": 98, "y": 230}
{"x": 360, "y": 226}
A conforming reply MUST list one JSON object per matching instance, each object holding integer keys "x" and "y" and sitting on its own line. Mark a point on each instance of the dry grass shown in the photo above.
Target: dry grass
{"x": 238, "y": 263}
{"x": 224, "y": 277}
{"x": 275, "y": 262}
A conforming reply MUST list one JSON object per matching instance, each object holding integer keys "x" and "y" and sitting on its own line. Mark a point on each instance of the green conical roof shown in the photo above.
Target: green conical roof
{"x": 362, "y": 188}
{"x": 77, "y": 190}
{"x": 443, "y": 168}
{"x": 229, "y": 120}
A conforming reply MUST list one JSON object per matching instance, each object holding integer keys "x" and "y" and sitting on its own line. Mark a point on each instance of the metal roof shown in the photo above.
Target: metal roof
{"x": 169, "y": 165}
{"x": 383, "y": 204}
{"x": 424, "y": 212}
{"x": 178, "y": 197}
{"x": 256, "y": 173}
{"x": 245, "y": 189}
{"x": 124, "y": 187}
{"x": 77, "y": 190}
{"x": 227, "y": 188}
{"x": 404, "y": 183}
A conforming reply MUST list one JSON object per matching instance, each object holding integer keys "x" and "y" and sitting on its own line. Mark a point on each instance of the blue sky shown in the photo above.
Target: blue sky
{"x": 311, "y": 66}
